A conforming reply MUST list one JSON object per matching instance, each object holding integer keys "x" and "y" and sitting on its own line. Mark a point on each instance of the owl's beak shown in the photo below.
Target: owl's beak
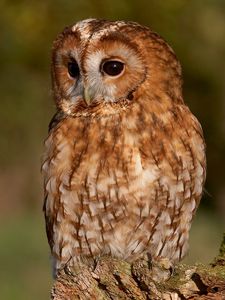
{"x": 87, "y": 97}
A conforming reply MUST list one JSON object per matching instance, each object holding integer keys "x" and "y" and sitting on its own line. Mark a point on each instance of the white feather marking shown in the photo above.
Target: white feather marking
{"x": 105, "y": 31}
{"x": 133, "y": 247}
{"x": 45, "y": 166}
{"x": 93, "y": 207}
{"x": 91, "y": 234}
{"x": 84, "y": 27}
{"x": 187, "y": 194}
{"x": 84, "y": 219}
{"x": 165, "y": 218}
{"x": 51, "y": 185}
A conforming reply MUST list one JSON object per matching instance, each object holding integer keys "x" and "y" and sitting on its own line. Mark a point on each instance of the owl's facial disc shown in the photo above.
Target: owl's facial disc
{"x": 94, "y": 70}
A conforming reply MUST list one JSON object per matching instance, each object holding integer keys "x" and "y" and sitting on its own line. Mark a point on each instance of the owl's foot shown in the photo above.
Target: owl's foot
{"x": 157, "y": 270}
{"x": 76, "y": 265}
{"x": 162, "y": 269}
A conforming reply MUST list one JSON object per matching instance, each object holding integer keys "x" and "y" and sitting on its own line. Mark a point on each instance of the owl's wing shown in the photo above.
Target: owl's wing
{"x": 58, "y": 116}
{"x": 48, "y": 224}
{"x": 49, "y": 218}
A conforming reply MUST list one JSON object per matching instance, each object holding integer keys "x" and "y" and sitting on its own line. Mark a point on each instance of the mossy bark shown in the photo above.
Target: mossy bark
{"x": 115, "y": 279}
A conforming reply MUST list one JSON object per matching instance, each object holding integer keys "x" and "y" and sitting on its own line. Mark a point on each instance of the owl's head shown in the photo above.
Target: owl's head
{"x": 97, "y": 63}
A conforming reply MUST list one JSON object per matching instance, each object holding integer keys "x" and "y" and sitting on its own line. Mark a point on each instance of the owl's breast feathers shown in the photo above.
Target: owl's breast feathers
{"x": 123, "y": 184}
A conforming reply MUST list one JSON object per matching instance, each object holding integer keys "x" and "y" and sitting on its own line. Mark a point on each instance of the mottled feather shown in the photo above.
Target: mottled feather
{"x": 123, "y": 174}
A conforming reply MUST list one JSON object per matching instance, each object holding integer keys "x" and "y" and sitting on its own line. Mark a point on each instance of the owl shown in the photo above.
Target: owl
{"x": 124, "y": 163}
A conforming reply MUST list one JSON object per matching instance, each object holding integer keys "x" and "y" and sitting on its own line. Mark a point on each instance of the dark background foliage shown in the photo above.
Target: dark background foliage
{"x": 194, "y": 28}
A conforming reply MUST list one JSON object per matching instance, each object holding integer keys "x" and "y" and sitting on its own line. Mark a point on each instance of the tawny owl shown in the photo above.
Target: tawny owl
{"x": 124, "y": 162}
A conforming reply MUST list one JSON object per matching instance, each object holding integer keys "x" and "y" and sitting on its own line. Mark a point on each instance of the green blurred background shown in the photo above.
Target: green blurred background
{"x": 196, "y": 31}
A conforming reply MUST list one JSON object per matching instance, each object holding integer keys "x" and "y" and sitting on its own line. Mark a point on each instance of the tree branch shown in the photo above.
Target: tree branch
{"x": 116, "y": 279}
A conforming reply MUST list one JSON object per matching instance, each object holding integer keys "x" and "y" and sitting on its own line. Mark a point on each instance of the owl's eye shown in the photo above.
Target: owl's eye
{"x": 73, "y": 69}
{"x": 113, "y": 67}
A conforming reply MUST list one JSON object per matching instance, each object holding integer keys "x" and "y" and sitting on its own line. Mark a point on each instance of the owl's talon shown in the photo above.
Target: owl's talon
{"x": 162, "y": 269}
